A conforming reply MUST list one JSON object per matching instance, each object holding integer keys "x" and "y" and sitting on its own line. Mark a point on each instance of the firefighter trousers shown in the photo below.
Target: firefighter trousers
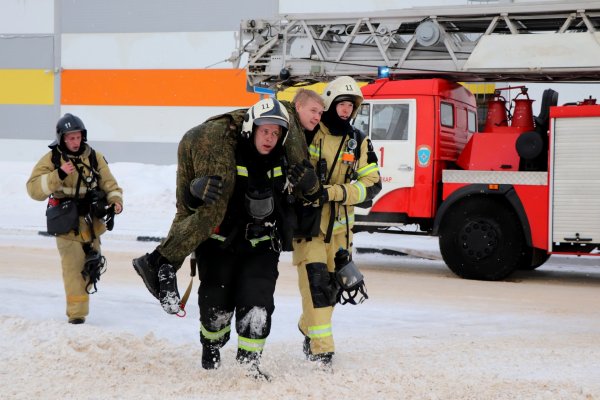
{"x": 317, "y": 306}
{"x": 241, "y": 282}
{"x": 72, "y": 258}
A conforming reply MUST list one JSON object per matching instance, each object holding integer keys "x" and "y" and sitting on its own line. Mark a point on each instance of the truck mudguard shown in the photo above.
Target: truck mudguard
{"x": 506, "y": 191}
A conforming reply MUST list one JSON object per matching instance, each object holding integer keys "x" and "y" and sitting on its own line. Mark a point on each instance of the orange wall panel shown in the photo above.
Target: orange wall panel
{"x": 201, "y": 87}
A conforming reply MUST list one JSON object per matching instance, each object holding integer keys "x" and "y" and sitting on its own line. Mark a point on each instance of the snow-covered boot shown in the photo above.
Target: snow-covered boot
{"x": 146, "y": 266}
{"x": 168, "y": 293}
{"x": 251, "y": 359}
{"x": 211, "y": 357}
{"x": 324, "y": 361}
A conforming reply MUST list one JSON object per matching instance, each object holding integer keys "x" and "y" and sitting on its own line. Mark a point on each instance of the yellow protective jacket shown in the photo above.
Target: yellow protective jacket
{"x": 45, "y": 181}
{"x": 344, "y": 190}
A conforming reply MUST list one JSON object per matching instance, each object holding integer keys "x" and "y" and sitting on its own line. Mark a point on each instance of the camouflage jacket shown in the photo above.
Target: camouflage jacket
{"x": 209, "y": 149}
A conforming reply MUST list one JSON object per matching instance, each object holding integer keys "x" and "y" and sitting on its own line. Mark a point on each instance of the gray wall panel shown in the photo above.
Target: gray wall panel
{"x": 28, "y": 122}
{"x": 146, "y": 153}
{"x": 92, "y": 16}
{"x": 26, "y": 52}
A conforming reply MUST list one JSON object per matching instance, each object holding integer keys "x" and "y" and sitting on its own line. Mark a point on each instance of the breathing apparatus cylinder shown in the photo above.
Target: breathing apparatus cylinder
{"x": 349, "y": 279}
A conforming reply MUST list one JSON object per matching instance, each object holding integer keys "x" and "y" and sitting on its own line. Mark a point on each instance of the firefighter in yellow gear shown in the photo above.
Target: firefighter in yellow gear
{"x": 73, "y": 176}
{"x": 347, "y": 167}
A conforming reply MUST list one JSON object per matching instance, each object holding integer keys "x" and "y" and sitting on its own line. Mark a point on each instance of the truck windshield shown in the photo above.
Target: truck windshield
{"x": 386, "y": 122}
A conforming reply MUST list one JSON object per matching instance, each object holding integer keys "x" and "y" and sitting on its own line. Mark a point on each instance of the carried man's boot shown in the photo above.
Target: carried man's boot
{"x": 147, "y": 266}
{"x": 168, "y": 293}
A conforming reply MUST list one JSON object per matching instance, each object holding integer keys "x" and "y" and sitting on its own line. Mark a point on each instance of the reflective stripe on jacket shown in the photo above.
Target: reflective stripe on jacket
{"x": 339, "y": 188}
{"x": 45, "y": 181}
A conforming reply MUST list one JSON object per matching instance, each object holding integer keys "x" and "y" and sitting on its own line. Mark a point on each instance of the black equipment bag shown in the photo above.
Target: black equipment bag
{"x": 309, "y": 221}
{"x": 62, "y": 218}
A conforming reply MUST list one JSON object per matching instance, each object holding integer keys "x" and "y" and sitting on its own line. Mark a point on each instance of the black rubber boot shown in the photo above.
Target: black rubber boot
{"x": 251, "y": 359}
{"x": 211, "y": 357}
{"x": 168, "y": 293}
{"x": 146, "y": 266}
{"x": 76, "y": 321}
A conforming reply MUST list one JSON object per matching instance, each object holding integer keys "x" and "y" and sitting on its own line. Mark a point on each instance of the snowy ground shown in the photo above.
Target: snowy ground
{"x": 423, "y": 334}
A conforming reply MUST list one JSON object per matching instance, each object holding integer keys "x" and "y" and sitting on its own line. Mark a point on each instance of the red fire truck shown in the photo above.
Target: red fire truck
{"x": 500, "y": 198}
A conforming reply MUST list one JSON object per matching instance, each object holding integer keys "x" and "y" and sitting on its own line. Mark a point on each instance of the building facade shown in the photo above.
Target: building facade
{"x": 139, "y": 73}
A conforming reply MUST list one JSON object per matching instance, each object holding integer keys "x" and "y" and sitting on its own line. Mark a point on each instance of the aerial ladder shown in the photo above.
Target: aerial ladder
{"x": 529, "y": 41}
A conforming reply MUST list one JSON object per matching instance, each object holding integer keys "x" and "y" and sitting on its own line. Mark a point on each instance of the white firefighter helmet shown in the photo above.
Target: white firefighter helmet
{"x": 340, "y": 89}
{"x": 266, "y": 111}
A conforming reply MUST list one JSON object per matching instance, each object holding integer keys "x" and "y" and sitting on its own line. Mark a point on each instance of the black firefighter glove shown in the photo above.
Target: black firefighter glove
{"x": 207, "y": 189}
{"x": 304, "y": 177}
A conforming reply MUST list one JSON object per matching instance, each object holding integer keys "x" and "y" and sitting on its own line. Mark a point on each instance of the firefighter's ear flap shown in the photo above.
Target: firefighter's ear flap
{"x": 371, "y": 155}
{"x": 246, "y": 126}
{"x": 370, "y": 145}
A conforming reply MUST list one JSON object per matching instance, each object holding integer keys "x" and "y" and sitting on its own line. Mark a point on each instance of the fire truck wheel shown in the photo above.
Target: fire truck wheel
{"x": 533, "y": 258}
{"x": 481, "y": 238}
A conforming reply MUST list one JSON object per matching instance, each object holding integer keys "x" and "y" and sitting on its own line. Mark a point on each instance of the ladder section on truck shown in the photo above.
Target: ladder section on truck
{"x": 525, "y": 41}
{"x": 575, "y": 183}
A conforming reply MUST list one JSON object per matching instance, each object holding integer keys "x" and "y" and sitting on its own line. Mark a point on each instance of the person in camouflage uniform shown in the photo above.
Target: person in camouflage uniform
{"x": 197, "y": 158}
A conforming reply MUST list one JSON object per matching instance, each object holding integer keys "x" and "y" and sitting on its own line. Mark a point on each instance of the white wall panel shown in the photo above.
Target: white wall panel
{"x": 24, "y": 150}
{"x": 171, "y": 50}
{"x": 30, "y": 151}
{"x": 355, "y": 6}
{"x": 97, "y": 16}
{"x": 26, "y": 16}
{"x": 141, "y": 124}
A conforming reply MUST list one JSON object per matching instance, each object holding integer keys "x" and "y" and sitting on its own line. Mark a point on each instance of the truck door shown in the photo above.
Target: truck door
{"x": 391, "y": 125}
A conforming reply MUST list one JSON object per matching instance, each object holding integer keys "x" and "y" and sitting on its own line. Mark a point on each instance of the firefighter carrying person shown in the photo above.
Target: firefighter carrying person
{"x": 209, "y": 150}
{"x": 238, "y": 264}
{"x": 347, "y": 169}
{"x": 201, "y": 202}
{"x": 83, "y": 196}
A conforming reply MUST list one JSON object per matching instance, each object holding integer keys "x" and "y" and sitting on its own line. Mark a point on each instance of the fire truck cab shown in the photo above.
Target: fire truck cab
{"x": 501, "y": 199}
{"x": 417, "y": 127}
